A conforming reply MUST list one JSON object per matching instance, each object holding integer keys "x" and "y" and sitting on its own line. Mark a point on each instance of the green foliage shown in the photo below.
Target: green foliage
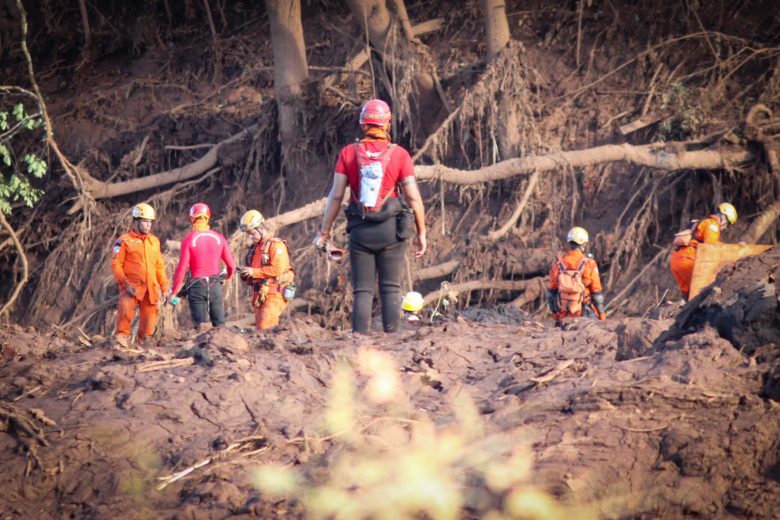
{"x": 19, "y": 157}
{"x": 686, "y": 118}
{"x": 386, "y": 461}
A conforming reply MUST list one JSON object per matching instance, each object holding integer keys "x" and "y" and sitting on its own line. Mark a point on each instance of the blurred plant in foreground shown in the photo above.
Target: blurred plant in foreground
{"x": 386, "y": 461}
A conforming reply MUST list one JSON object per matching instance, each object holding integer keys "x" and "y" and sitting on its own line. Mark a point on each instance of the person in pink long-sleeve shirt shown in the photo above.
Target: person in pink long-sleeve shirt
{"x": 202, "y": 252}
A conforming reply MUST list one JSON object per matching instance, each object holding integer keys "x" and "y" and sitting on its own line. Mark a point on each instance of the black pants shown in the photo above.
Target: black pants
{"x": 206, "y": 301}
{"x": 374, "y": 249}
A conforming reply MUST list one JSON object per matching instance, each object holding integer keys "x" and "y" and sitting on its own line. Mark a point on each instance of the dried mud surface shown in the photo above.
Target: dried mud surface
{"x": 672, "y": 429}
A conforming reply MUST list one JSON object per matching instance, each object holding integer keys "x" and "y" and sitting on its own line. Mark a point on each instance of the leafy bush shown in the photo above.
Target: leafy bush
{"x": 19, "y": 160}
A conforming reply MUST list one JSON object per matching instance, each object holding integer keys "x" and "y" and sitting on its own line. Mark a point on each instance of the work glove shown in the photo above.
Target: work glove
{"x": 598, "y": 303}
{"x": 552, "y": 301}
{"x": 321, "y": 242}
{"x": 129, "y": 289}
{"x": 245, "y": 273}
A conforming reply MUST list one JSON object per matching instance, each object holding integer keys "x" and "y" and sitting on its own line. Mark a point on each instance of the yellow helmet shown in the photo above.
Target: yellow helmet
{"x": 728, "y": 211}
{"x": 251, "y": 220}
{"x": 577, "y": 235}
{"x": 144, "y": 211}
{"x": 412, "y": 302}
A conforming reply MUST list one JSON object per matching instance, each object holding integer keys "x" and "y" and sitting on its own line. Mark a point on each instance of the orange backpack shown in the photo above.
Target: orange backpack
{"x": 571, "y": 288}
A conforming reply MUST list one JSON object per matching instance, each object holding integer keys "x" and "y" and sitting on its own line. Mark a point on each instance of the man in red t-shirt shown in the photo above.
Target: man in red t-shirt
{"x": 375, "y": 169}
{"x": 202, "y": 252}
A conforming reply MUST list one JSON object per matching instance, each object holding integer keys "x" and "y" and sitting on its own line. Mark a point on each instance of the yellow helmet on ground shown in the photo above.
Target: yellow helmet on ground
{"x": 251, "y": 220}
{"x": 728, "y": 211}
{"x": 577, "y": 235}
{"x": 144, "y": 211}
{"x": 412, "y": 302}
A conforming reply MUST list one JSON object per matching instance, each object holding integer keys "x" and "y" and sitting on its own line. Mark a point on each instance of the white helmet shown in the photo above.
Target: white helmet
{"x": 412, "y": 302}
{"x": 577, "y": 235}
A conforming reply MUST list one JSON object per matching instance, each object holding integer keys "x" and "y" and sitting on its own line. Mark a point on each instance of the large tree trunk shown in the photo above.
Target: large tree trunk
{"x": 496, "y": 39}
{"x": 496, "y": 27}
{"x": 375, "y": 21}
{"x": 291, "y": 69}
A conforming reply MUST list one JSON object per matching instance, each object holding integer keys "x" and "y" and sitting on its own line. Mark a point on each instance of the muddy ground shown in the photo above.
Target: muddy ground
{"x": 639, "y": 418}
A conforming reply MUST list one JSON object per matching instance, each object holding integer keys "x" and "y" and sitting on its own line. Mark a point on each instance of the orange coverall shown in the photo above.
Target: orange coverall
{"x": 707, "y": 231}
{"x": 139, "y": 262}
{"x": 590, "y": 278}
{"x": 278, "y": 263}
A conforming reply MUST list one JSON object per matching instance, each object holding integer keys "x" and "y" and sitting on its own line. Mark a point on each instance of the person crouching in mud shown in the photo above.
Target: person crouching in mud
{"x": 377, "y": 222}
{"x": 575, "y": 285}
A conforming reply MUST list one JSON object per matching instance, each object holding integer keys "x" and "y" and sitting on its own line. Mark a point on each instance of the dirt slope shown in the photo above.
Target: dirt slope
{"x": 681, "y": 431}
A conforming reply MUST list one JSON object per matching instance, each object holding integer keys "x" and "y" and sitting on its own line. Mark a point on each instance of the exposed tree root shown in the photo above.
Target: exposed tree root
{"x": 23, "y": 259}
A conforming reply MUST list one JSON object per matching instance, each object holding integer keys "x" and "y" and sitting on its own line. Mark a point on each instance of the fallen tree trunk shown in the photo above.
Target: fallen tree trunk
{"x": 102, "y": 190}
{"x": 762, "y": 223}
{"x": 475, "y": 285}
{"x": 436, "y": 271}
{"x": 651, "y": 155}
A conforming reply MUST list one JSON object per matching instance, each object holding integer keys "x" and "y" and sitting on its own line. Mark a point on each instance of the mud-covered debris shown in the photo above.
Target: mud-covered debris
{"x": 635, "y": 336}
{"x": 742, "y": 305}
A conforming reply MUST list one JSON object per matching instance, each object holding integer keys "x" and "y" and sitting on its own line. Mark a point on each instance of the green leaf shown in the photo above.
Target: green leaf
{"x": 5, "y": 155}
{"x": 3, "y": 121}
{"x": 19, "y": 112}
{"x": 35, "y": 166}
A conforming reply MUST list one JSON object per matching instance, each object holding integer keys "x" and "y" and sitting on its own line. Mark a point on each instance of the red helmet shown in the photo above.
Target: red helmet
{"x": 199, "y": 210}
{"x": 375, "y": 112}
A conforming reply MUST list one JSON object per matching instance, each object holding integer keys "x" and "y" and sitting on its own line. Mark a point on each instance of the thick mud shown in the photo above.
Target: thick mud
{"x": 680, "y": 429}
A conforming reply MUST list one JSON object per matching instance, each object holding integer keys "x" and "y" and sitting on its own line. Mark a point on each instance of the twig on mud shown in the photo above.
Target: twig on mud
{"x": 189, "y": 147}
{"x": 371, "y": 423}
{"x": 643, "y": 430}
{"x": 14, "y": 416}
{"x": 162, "y": 365}
{"x": 253, "y": 441}
{"x": 28, "y": 392}
{"x": 544, "y": 377}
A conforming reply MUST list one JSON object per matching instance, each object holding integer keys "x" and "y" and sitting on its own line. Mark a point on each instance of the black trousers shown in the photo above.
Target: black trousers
{"x": 206, "y": 301}
{"x": 375, "y": 250}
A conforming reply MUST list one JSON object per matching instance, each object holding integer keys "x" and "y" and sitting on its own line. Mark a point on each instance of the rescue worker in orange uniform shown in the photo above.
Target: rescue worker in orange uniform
{"x": 703, "y": 231}
{"x": 575, "y": 285}
{"x": 139, "y": 269}
{"x": 267, "y": 270}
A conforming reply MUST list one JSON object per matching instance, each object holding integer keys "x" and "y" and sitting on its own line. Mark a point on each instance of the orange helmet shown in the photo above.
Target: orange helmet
{"x": 375, "y": 112}
{"x": 199, "y": 210}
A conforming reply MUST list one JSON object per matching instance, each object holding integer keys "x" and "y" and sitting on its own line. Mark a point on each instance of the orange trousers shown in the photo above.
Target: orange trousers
{"x": 681, "y": 264}
{"x": 267, "y": 314}
{"x": 126, "y": 310}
